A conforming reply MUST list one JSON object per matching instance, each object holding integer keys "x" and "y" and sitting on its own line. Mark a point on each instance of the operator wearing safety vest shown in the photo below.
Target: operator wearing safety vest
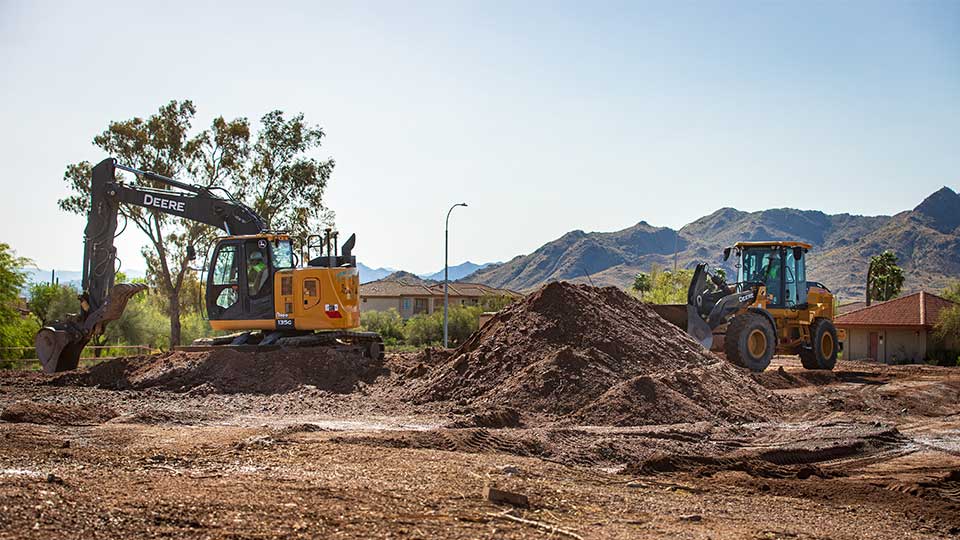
{"x": 771, "y": 275}
{"x": 256, "y": 272}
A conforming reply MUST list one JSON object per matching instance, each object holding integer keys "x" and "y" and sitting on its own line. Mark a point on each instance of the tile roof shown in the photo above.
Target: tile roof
{"x": 394, "y": 288}
{"x": 917, "y": 309}
{"x": 854, "y": 306}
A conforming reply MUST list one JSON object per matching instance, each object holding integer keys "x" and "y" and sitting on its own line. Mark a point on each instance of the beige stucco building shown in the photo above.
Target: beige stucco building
{"x": 896, "y": 331}
{"x": 411, "y": 298}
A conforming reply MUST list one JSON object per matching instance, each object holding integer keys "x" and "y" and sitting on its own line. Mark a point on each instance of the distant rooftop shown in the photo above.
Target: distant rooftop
{"x": 915, "y": 310}
{"x": 402, "y": 287}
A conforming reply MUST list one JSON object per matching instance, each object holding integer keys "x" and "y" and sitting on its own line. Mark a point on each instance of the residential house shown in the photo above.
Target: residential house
{"x": 895, "y": 331}
{"x": 413, "y": 297}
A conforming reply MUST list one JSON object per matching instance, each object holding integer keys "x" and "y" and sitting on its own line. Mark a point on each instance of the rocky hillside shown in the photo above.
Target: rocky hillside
{"x": 926, "y": 239}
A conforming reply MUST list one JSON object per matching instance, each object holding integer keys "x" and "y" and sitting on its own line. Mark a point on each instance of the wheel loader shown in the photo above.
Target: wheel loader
{"x": 258, "y": 285}
{"x": 770, "y": 309}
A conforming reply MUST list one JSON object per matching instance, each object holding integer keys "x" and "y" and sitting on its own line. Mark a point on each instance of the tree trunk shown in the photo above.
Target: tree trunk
{"x": 174, "y": 300}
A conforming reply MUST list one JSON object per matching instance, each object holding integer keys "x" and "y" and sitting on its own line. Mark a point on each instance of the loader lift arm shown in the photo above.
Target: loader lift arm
{"x": 59, "y": 344}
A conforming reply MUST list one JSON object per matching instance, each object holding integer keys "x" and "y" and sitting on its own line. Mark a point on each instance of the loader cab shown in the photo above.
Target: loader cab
{"x": 779, "y": 266}
{"x": 240, "y": 283}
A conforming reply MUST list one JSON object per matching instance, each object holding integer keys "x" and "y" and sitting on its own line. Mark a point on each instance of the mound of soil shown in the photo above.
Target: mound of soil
{"x": 593, "y": 355}
{"x": 230, "y": 371}
{"x": 780, "y": 379}
{"x": 55, "y": 414}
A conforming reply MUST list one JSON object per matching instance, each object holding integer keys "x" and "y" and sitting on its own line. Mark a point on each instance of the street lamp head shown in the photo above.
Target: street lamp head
{"x": 462, "y": 204}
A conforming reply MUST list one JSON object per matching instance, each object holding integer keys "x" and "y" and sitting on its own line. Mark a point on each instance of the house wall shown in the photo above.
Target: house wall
{"x": 893, "y": 345}
{"x": 906, "y": 345}
{"x": 405, "y": 304}
{"x": 370, "y": 303}
{"x": 857, "y": 345}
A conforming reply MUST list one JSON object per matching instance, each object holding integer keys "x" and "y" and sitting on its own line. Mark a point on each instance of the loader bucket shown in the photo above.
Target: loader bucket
{"x": 698, "y": 328}
{"x": 60, "y": 344}
{"x": 686, "y": 318}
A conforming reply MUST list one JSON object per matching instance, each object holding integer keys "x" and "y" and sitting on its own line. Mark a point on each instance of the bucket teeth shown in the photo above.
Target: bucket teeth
{"x": 116, "y": 302}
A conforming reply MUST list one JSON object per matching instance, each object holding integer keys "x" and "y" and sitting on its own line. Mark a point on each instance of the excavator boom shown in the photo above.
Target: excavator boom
{"x": 59, "y": 344}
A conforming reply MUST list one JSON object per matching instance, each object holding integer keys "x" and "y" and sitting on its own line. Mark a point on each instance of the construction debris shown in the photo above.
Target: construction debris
{"x": 500, "y": 496}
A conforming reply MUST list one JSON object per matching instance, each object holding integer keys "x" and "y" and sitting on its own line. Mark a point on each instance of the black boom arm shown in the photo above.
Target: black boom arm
{"x": 106, "y": 193}
{"x": 60, "y": 343}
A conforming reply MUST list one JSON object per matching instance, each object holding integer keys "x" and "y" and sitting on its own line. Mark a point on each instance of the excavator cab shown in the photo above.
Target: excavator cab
{"x": 255, "y": 282}
{"x": 240, "y": 283}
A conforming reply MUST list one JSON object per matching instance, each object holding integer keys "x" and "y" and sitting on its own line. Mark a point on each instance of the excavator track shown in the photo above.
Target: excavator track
{"x": 368, "y": 344}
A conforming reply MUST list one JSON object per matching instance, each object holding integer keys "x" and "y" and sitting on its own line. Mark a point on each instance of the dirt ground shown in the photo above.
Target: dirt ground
{"x": 865, "y": 451}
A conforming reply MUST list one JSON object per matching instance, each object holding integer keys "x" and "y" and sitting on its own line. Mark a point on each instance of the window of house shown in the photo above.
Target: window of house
{"x": 407, "y": 305}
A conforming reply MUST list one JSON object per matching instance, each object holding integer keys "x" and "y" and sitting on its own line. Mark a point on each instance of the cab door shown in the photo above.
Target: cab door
{"x": 224, "y": 283}
{"x": 258, "y": 280}
{"x": 240, "y": 284}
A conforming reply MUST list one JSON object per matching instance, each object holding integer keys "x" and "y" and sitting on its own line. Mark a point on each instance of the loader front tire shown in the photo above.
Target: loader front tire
{"x": 750, "y": 341}
{"x": 822, "y": 353}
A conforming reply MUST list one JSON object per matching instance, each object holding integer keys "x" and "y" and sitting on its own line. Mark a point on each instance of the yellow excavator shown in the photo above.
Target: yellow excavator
{"x": 257, "y": 285}
{"x": 771, "y": 308}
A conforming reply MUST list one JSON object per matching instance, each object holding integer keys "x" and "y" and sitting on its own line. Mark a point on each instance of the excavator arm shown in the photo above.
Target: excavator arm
{"x": 59, "y": 344}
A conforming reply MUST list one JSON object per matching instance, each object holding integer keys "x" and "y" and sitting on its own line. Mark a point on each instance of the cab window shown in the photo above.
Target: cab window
{"x": 225, "y": 269}
{"x": 763, "y": 266}
{"x": 282, "y": 252}
{"x": 791, "y": 285}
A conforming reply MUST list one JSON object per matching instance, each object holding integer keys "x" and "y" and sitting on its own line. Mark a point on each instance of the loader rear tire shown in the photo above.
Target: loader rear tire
{"x": 822, "y": 353}
{"x": 750, "y": 341}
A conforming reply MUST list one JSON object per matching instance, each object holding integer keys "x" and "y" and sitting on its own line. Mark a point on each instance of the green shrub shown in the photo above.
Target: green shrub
{"x": 388, "y": 324}
{"x": 663, "y": 286}
{"x": 18, "y": 332}
{"x": 495, "y": 302}
{"x": 142, "y": 323}
{"x": 424, "y": 330}
{"x": 427, "y": 330}
{"x": 51, "y": 302}
{"x": 462, "y": 321}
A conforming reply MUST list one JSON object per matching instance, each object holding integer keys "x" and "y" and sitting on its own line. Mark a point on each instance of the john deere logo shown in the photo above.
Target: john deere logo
{"x": 166, "y": 204}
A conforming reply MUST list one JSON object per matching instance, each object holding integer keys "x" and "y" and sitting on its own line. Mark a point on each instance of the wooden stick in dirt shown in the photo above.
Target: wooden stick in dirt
{"x": 540, "y": 525}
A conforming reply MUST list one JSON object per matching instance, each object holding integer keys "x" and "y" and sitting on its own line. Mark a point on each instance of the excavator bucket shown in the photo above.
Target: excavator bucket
{"x": 60, "y": 344}
{"x": 59, "y": 347}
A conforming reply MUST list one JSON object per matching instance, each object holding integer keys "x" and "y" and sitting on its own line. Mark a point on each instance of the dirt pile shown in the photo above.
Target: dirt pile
{"x": 231, "y": 371}
{"x": 595, "y": 356}
{"x": 55, "y": 414}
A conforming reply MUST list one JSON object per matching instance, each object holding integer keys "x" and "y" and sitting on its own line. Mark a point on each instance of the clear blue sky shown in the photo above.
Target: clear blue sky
{"x": 544, "y": 117}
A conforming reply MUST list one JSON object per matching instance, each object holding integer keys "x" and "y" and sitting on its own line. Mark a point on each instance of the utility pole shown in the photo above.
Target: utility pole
{"x": 676, "y": 246}
{"x": 446, "y": 254}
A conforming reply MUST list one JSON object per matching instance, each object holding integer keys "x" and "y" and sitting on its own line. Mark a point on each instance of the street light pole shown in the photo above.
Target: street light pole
{"x": 446, "y": 253}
